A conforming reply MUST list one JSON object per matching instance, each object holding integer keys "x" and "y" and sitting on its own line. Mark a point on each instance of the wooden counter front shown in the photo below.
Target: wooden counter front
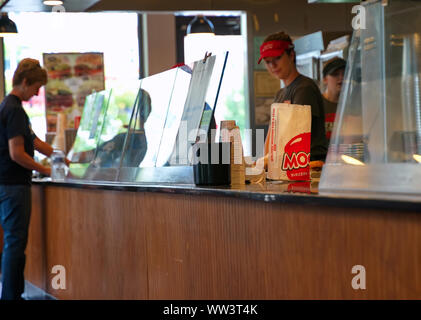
{"x": 151, "y": 245}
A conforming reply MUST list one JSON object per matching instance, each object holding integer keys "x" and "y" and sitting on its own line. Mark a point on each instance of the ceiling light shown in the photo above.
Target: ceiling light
{"x": 53, "y": 2}
{"x": 417, "y": 158}
{"x": 200, "y": 24}
{"x": 351, "y": 160}
{"x": 7, "y": 26}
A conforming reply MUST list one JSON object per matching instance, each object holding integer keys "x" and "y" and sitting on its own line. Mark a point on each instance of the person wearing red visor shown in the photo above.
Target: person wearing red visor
{"x": 277, "y": 52}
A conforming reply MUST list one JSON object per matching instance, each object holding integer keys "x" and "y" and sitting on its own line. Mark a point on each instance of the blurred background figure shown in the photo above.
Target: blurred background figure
{"x": 333, "y": 75}
{"x": 108, "y": 154}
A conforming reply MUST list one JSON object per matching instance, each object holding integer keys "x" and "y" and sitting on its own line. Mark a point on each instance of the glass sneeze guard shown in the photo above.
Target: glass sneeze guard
{"x": 141, "y": 150}
{"x": 375, "y": 149}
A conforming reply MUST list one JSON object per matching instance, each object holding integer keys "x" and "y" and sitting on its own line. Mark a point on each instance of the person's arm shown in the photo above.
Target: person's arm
{"x": 18, "y": 154}
{"x": 43, "y": 147}
{"x": 46, "y": 149}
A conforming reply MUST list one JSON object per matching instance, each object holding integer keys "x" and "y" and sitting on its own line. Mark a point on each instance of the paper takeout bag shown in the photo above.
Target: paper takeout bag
{"x": 289, "y": 145}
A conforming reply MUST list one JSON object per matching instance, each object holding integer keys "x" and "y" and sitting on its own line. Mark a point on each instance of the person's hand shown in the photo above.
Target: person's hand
{"x": 46, "y": 171}
{"x": 262, "y": 162}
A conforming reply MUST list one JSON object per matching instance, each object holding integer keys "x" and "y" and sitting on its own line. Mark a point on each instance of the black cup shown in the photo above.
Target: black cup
{"x": 212, "y": 163}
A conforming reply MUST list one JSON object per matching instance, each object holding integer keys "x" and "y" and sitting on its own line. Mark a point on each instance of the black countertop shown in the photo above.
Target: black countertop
{"x": 282, "y": 192}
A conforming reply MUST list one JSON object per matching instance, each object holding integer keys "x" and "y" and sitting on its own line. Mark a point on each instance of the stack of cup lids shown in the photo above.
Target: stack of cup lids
{"x": 354, "y": 150}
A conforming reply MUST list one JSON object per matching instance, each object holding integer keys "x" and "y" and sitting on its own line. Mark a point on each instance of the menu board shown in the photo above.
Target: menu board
{"x": 71, "y": 77}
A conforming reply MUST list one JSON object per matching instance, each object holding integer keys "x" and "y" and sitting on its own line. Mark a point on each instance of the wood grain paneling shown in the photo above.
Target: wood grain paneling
{"x": 117, "y": 244}
{"x": 35, "y": 251}
{"x": 99, "y": 238}
{"x": 221, "y": 248}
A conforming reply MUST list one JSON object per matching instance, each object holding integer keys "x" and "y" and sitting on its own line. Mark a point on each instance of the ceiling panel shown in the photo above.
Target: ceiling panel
{"x": 37, "y": 5}
{"x": 182, "y": 5}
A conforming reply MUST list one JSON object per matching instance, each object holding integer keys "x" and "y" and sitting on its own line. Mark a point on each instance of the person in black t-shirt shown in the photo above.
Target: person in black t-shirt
{"x": 277, "y": 52}
{"x": 17, "y": 145}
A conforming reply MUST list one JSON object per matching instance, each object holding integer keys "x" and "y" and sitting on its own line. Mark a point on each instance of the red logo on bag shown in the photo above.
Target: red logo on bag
{"x": 297, "y": 157}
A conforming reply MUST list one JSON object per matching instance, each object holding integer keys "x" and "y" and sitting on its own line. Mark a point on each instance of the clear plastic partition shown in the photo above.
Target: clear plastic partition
{"x": 153, "y": 143}
{"x": 198, "y": 106}
{"x": 212, "y": 94}
{"x": 376, "y": 141}
{"x": 89, "y": 132}
{"x": 160, "y": 88}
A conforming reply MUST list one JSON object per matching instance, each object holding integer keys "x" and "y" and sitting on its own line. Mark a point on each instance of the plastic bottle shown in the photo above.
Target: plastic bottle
{"x": 58, "y": 166}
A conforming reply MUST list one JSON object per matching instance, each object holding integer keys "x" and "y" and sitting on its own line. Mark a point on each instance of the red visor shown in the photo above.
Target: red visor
{"x": 274, "y": 48}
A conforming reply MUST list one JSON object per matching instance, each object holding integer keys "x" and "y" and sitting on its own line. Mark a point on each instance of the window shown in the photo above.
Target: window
{"x": 114, "y": 34}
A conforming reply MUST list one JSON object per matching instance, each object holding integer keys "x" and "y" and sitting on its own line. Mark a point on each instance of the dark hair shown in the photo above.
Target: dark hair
{"x": 284, "y": 37}
{"x": 30, "y": 70}
{"x": 332, "y": 65}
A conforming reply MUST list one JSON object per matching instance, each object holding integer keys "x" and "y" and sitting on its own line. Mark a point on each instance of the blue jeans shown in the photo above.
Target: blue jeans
{"x": 15, "y": 212}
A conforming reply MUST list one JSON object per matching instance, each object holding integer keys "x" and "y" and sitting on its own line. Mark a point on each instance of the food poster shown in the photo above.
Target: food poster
{"x": 71, "y": 77}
